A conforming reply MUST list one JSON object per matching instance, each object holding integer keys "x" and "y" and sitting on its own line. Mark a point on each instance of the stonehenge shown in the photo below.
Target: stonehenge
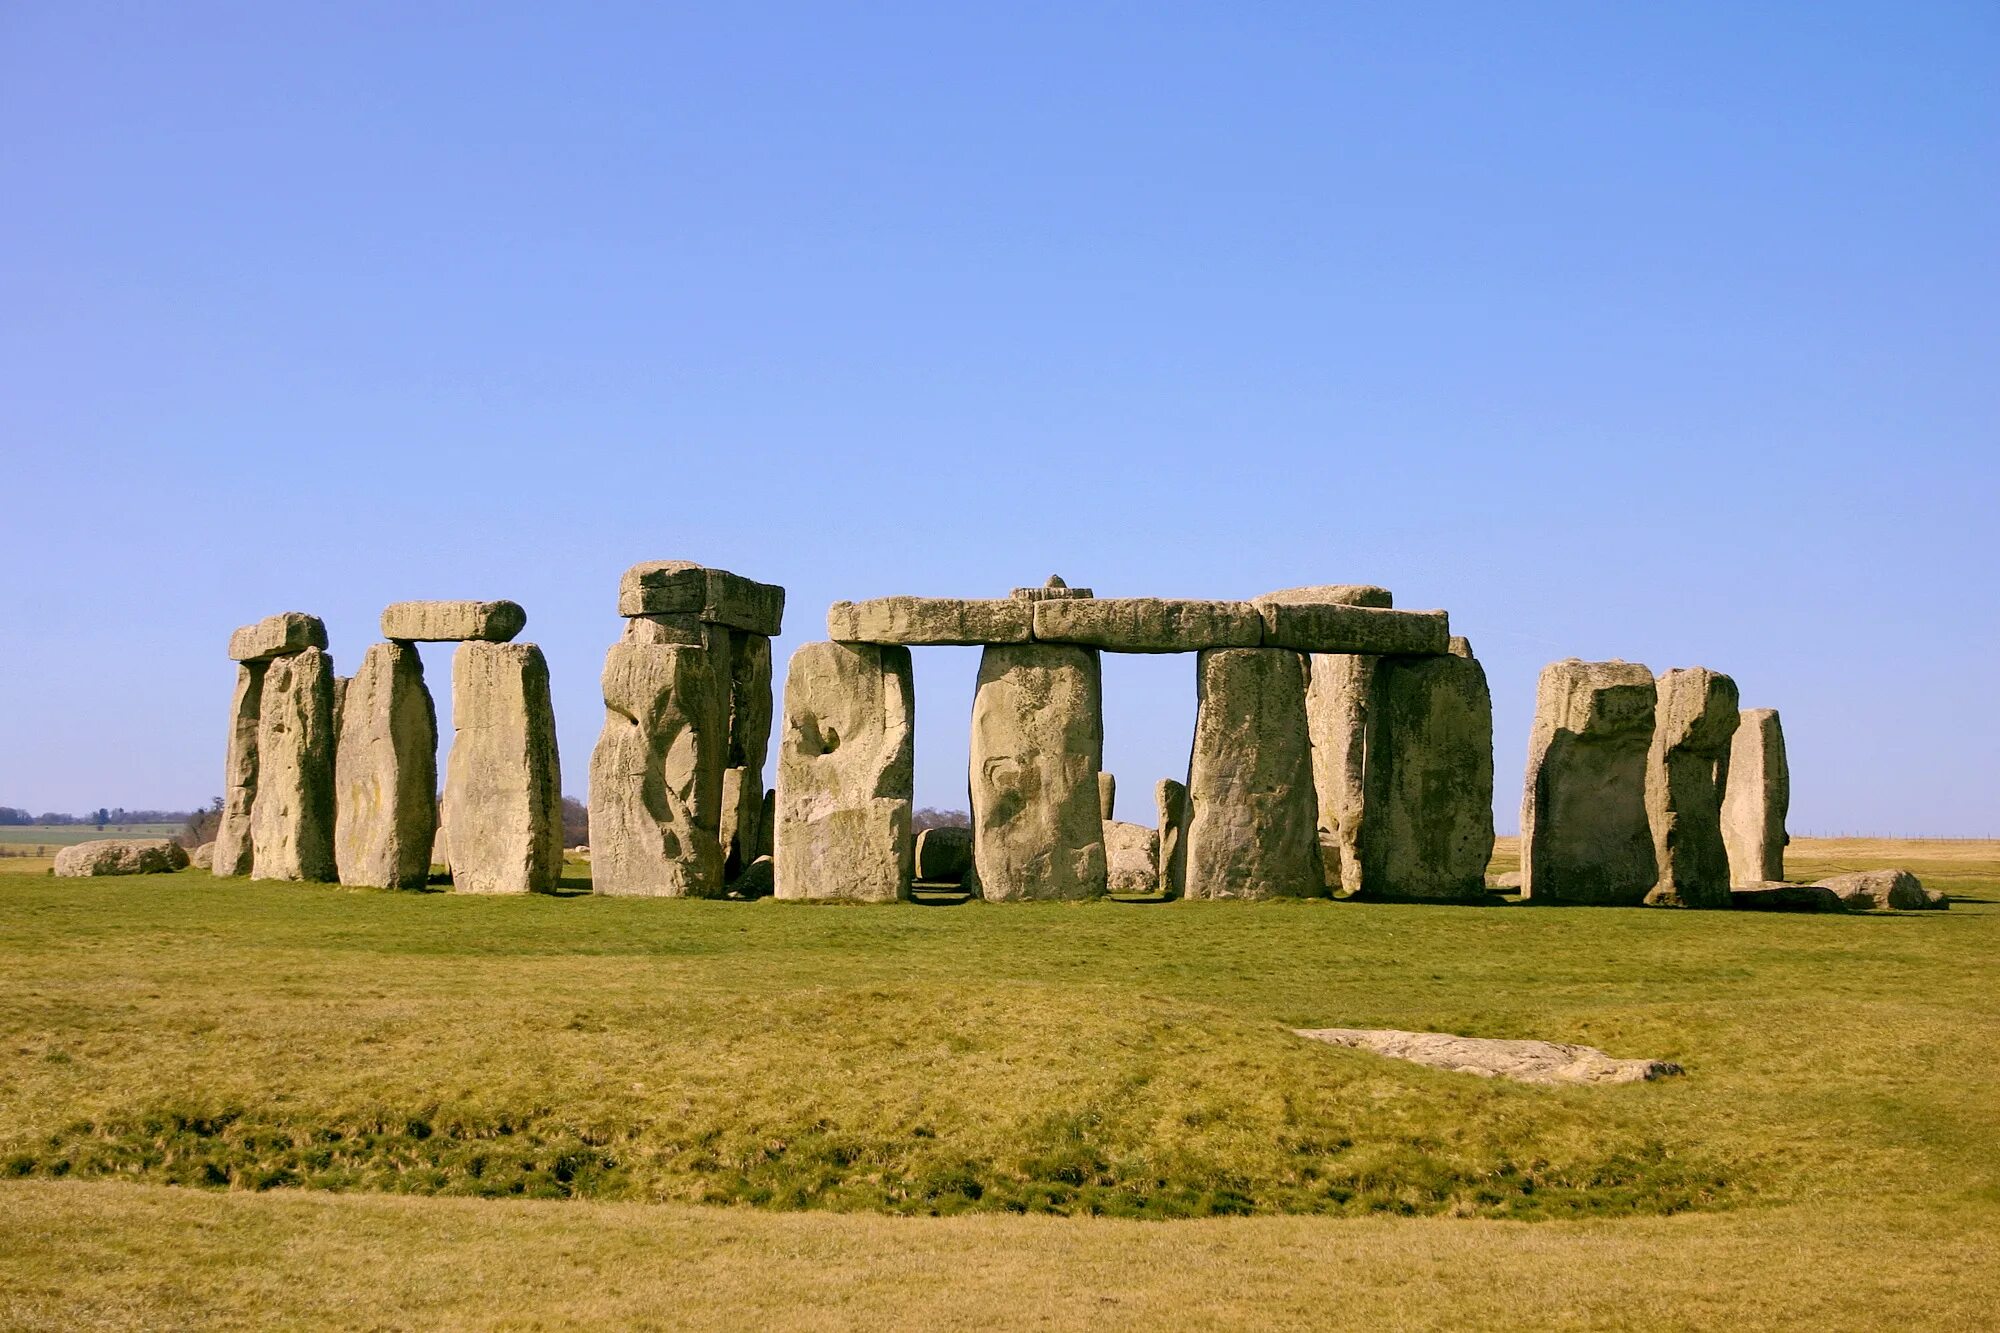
{"x": 291, "y": 813}
{"x": 1695, "y": 718}
{"x": 1427, "y": 826}
{"x": 1756, "y": 796}
{"x": 1585, "y": 837}
{"x": 120, "y": 856}
{"x": 846, "y": 772}
{"x": 385, "y": 772}
{"x": 503, "y": 781}
{"x": 1252, "y": 827}
{"x": 1037, "y": 746}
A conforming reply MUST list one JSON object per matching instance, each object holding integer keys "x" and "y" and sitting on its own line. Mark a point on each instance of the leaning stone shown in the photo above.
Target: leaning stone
{"x": 1884, "y": 891}
{"x": 276, "y": 636}
{"x": 1252, "y": 828}
{"x": 1334, "y": 627}
{"x": 1584, "y": 835}
{"x": 717, "y": 596}
{"x": 1107, "y": 795}
{"x": 503, "y": 781}
{"x": 385, "y": 773}
{"x": 121, "y": 856}
{"x": 1054, "y": 590}
{"x": 291, "y": 819}
{"x": 1428, "y": 828}
{"x": 1756, "y": 796}
{"x": 1147, "y": 624}
{"x": 453, "y": 622}
{"x": 846, "y": 767}
{"x": 1037, "y": 743}
{"x": 239, "y": 777}
{"x": 1495, "y": 1057}
{"x": 931, "y": 620}
{"x": 1695, "y": 720}
{"x": 1132, "y": 859}
{"x": 1170, "y": 800}
{"x": 655, "y": 781}
{"x": 203, "y": 857}
{"x": 944, "y": 855}
{"x": 1786, "y": 898}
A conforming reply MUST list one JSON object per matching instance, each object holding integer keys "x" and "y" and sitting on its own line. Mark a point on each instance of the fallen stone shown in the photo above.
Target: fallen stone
{"x": 1170, "y": 802}
{"x": 1584, "y": 833}
{"x": 385, "y": 773}
{"x": 203, "y": 857}
{"x": 1427, "y": 832}
{"x": 1252, "y": 826}
{"x": 931, "y": 620}
{"x": 121, "y": 856}
{"x": 1695, "y": 719}
{"x": 1786, "y": 898}
{"x": 232, "y": 854}
{"x": 452, "y": 622}
{"x": 1147, "y": 624}
{"x": 1037, "y": 745}
{"x": 1132, "y": 859}
{"x": 503, "y": 780}
{"x": 1884, "y": 891}
{"x": 1508, "y": 881}
{"x": 276, "y": 636}
{"x": 1493, "y": 1057}
{"x": 846, "y": 766}
{"x": 1334, "y": 627}
{"x": 670, "y": 587}
{"x": 1054, "y": 590}
{"x": 291, "y": 817}
{"x": 944, "y": 855}
{"x": 758, "y": 880}
{"x": 1107, "y": 795}
{"x": 656, "y": 791}
{"x": 1756, "y": 797}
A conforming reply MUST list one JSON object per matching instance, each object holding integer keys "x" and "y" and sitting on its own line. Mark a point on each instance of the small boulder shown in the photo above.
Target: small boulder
{"x": 1132, "y": 858}
{"x": 203, "y": 857}
{"x": 1884, "y": 891}
{"x": 1776, "y": 896}
{"x": 121, "y": 856}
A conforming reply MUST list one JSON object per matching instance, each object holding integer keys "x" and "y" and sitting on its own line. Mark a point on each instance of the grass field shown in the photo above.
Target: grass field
{"x": 37, "y": 844}
{"x": 558, "y": 1111}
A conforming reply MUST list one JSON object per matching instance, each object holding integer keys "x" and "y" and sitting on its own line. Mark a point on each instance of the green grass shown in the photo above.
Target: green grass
{"x": 29, "y": 839}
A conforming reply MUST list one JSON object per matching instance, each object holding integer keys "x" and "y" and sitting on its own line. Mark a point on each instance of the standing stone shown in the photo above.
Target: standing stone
{"x": 1037, "y": 746}
{"x": 1170, "y": 798}
{"x": 1428, "y": 830}
{"x": 1252, "y": 823}
{"x": 1584, "y": 834}
{"x": 767, "y": 827}
{"x": 1684, "y": 771}
{"x": 1132, "y": 858}
{"x": 291, "y": 818}
{"x": 385, "y": 773}
{"x": 846, "y": 769}
{"x": 655, "y": 786}
{"x": 944, "y": 855}
{"x": 503, "y": 781}
{"x": 239, "y": 774}
{"x": 1756, "y": 796}
{"x": 1107, "y": 795}
{"x": 749, "y": 745}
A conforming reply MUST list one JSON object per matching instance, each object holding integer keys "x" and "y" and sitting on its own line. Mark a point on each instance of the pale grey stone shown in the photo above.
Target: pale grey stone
{"x": 737, "y": 829}
{"x": 1170, "y": 800}
{"x": 453, "y": 622}
{"x": 1335, "y": 627}
{"x": 1694, "y": 722}
{"x": 931, "y": 620}
{"x": 846, "y": 765}
{"x": 1132, "y": 859}
{"x": 121, "y": 856}
{"x": 1054, "y": 589}
{"x": 1428, "y": 828}
{"x": 683, "y": 630}
{"x": 291, "y": 817}
{"x": 1341, "y": 594}
{"x": 385, "y": 773}
{"x": 503, "y": 780}
{"x": 1107, "y": 795}
{"x": 239, "y": 777}
{"x": 1756, "y": 796}
{"x": 1584, "y": 833}
{"x": 203, "y": 857}
{"x": 1252, "y": 826}
{"x": 1884, "y": 891}
{"x": 1147, "y": 624}
{"x": 276, "y": 636}
{"x": 1522, "y": 1061}
{"x": 656, "y": 784}
{"x": 1037, "y": 744}
{"x": 669, "y": 587}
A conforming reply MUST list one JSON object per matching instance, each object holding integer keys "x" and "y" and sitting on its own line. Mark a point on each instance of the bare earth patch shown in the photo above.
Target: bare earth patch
{"x": 1496, "y": 1057}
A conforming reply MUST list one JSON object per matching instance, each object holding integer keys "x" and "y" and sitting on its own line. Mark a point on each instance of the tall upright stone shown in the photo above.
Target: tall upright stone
{"x": 1584, "y": 832}
{"x": 1428, "y": 830}
{"x": 385, "y": 772}
{"x": 1037, "y": 748}
{"x": 655, "y": 779}
{"x": 749, "y": 745}
{"x": 1756, "y": 796}
{"x": 1170, "y": 800}
{"x": 503, "y": 780}
{"x": 846, "y": 771}
{"x": 291, "y": 816}
{"x": 1685, "y": 769}
{"x": 1252, "y": 826}
{"x": 232, "y": 851}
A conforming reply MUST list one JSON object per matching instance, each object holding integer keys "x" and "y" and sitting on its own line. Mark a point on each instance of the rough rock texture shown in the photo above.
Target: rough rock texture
{"x": 1054, "y": 589}
{"x": 1335, "y": 627}
{"x": 239, "y": 773}
{"x": 441, "y": 845}
{"x": 944, "y": 855}
{"x": 121, "y": 856}
{"x": 767, "y": 826}
{"x": 503, "y": 781}
{"x": 450, "y": 622}
{"x": 1786, "y": 898}
{"x": 655, "y": 778}
{"x": 748, "y": 745}
{"x": 1107, "y": 795}
{"x": 1147, "y": 624}
{"x": 1584, "y": 835}
{"x": 1695, "y": 719}
{"x": 1883, "y": 891}
{"x": 340, "y": 684}
{"x": 681, "y": 587}
{"x": 385, "y": 773}
{"x": 932, "y": 620}
{"x": 1132, "y": 858}
{"x": 846, "y": 764}
{"x": 291, "y": 819}
{"x": 1170, "y": 799}
{"x": 1252, "y": 826}
{"x": 1037, "y": 744}
{"x": 1428, "y": 828}
{"x": 688, "y": 631}
{"x": 740, "y": 806}
{"x": 1492, "y": 1057}
{"x": 276, "y": 636}
{"x": 1338, "y": 594}
{"x": 1756, "y": 797}
{"x": 202, "y": 857}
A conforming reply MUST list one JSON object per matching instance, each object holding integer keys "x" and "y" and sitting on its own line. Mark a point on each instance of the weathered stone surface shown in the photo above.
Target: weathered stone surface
{"x": 742, "y": 805}
{"x": 1147, "y": 624}
{"x": 1252, "y": 826}
{"x": 1132, "y": 858}
{"x": 453, "y": 622}
{"x": 1339, "y": 692}
{"x": 688, "y": 631}
{"x": 1054, "y": 589}
{"x": 441, "y": 845}
{"x": 1884, "y": 891}
{"x": 1107, "y": 795}
{"x": 121, "y": 856}
{"x": 767, "y": 826}
{"x": 239, "y": 775}
{"x": 1756, "y": 796}
{"x": 1170, "y": 800}
{"x": 1335, "y": 627}
{"x": 944, "y": 855}
{"x": 670, "y": 587}
{"x": 1695, "y": 719}
{"x": 1507, "y": 881}
{"x": 931, "y": 620}
{"x": 291, "y": 818}
{"x": 276, "y": 636}
{"x": 656, "y": 784}
{"x": 385, "y": 772}
{"x": 503, "y": 780}
{"x": 1493, "y": 1057}
{"x": 846, "y": 765}
{"x": 203, "y": 857}
{"x": 1584, "y": 834}
{"x": 1786, "y": 898}
{"x": 1337, "y": 594}
{"x": 1428, "y": 828}
{"x": 1037, "y": 744}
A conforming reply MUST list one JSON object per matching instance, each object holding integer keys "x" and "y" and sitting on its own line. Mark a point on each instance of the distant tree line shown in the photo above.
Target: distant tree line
{"x": 930, "y": 816}
{"x": 99, "y": 817}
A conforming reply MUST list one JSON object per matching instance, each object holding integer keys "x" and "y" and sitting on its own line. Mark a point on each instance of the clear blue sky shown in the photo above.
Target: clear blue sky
{"x": 1669, "y": 332}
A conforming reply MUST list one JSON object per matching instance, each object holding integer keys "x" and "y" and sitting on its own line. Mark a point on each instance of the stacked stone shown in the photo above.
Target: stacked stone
{"x": 677, "y": 800}
{"x": 1756, "y": 797}
{"x": 278, "y": 804}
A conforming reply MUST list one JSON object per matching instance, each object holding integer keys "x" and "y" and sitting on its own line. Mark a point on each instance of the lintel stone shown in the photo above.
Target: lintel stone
{"x": 681, "y": 587}
{"x": 932, "y": 620}
{"x": 1147, "y": 624}
{"x": 1331, "y": 627}
{"x": 452, "y": 622}
{"x": 277, "y": 636}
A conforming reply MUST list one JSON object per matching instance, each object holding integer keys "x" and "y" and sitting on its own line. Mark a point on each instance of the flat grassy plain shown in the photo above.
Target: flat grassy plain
{"x": 26, "y": 848}
{"x": 427, "y": 1110}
